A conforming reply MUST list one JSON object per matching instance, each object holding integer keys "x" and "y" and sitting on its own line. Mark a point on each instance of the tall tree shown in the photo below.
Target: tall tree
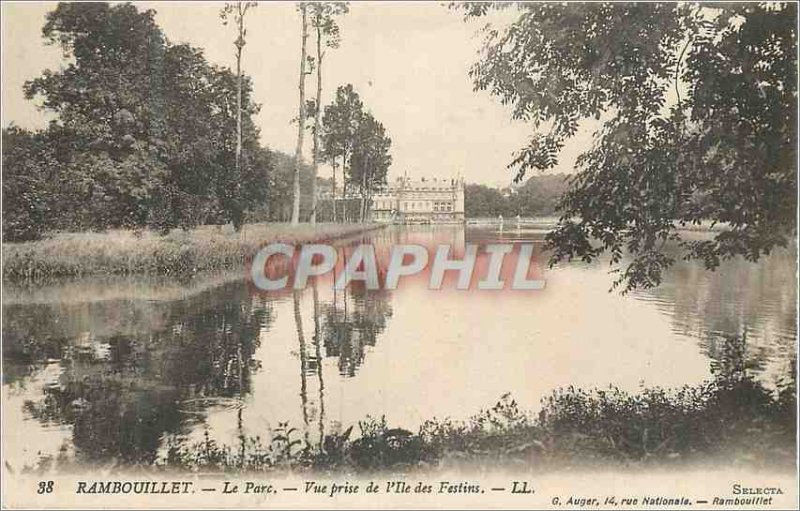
{"x": 323, "y": 19}
{"x": 340, "y": 122}
{"x": 301, "y": 117}
{"x": 144, "y": 129}
{"x": 370, "y": 160}
{"x": 205, "y": 185}
{"x": 109, "y": 103}
{"x": 237, "y": 11}
{"x": 699, "y": 112}
{"x": 106, "y": 83}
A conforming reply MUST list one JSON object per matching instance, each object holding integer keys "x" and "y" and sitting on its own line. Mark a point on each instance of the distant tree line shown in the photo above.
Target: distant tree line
{"x": 537, "y": 197}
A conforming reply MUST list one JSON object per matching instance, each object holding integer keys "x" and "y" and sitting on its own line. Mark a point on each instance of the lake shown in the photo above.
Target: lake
{"x": 115, "y": 369}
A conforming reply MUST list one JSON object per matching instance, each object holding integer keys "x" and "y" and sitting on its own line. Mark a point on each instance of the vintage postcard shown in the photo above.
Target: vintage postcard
{"x": 399, "y": 255}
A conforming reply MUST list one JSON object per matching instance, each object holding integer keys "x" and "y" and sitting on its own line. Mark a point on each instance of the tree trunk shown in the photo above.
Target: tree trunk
{"x": 317, "y": 125}
{"x": 368, "y": 205}
{"x": 298, "y": 155}
{"x": 344, "y": 186}
{"x": 363, "y": 195}
{"x": 238, "y": 178}
{"x": 238, "y": 107}
{"x": 344, "y": 199}
{"x": 333, "y": 192}
{"x": 363, "y": 212}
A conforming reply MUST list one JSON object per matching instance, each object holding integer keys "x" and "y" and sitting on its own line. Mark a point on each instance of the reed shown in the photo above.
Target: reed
{"x": 727, "y": 420}
{"x": 122, "y": 252}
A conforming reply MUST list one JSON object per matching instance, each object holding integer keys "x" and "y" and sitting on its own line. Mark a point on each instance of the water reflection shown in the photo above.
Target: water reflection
{"x": 317, "y": 361}
{"x": 755, "y": 301}
{"x": 352, "y": 324}
{"x": 346, "y": 326}
{"x": 120, "y": 391}
{"x": 116, "y": 370}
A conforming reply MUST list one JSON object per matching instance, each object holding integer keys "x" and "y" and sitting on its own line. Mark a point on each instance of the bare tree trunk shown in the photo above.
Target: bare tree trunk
{"x": 368, "y": 204}
{"x": 344, "y": 187}
{"x": 298, "y": 155}
{"x": 333, "y": 192}
{"x": 239, "y": 45}
{"x": 317, "y": 124}
{"x": 363, "y": 208}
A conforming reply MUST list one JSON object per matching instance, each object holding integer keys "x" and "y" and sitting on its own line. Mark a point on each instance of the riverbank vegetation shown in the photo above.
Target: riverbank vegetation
{"x": 730, "y": 419}
{"x": 537, "y": 197}
{"x": 122, "y": 252}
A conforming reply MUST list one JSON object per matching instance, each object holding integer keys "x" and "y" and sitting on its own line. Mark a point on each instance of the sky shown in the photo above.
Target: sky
{"x": 409, "y": 62}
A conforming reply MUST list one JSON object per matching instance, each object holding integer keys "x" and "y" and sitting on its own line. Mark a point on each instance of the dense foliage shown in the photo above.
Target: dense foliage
{"x": 357, "y": 143}
{"x": 145, "y": 133}
{"x": 698, "y": 106}
{"x": 537, "y": 197}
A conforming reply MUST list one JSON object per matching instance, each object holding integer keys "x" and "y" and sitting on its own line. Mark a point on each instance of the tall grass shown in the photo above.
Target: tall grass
{"x": 121, "y": 252}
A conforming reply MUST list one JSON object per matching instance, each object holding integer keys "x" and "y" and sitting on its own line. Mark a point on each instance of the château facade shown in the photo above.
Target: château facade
{"x": 423, "y": 201}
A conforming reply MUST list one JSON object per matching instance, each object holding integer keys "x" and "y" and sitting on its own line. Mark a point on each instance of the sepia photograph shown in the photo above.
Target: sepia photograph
{"x": 399, "y": 255}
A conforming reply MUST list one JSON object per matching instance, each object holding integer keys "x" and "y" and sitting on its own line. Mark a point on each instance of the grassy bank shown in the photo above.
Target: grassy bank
{"x": 121, "y": 252}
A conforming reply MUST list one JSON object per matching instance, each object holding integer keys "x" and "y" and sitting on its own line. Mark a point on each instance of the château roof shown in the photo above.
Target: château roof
{"x": 423, "y": 184}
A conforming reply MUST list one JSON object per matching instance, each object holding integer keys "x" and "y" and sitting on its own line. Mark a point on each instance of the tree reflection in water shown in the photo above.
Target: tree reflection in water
{"x": 318, "y": 361}
{"x": 346, "y": 326}
{"x": 123, "y": 393}
{"x": 298, "y": 320}
{"x": 136, "y": 374}
{"x": 349, "y": 329}
{"x": 752, "y": 301}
